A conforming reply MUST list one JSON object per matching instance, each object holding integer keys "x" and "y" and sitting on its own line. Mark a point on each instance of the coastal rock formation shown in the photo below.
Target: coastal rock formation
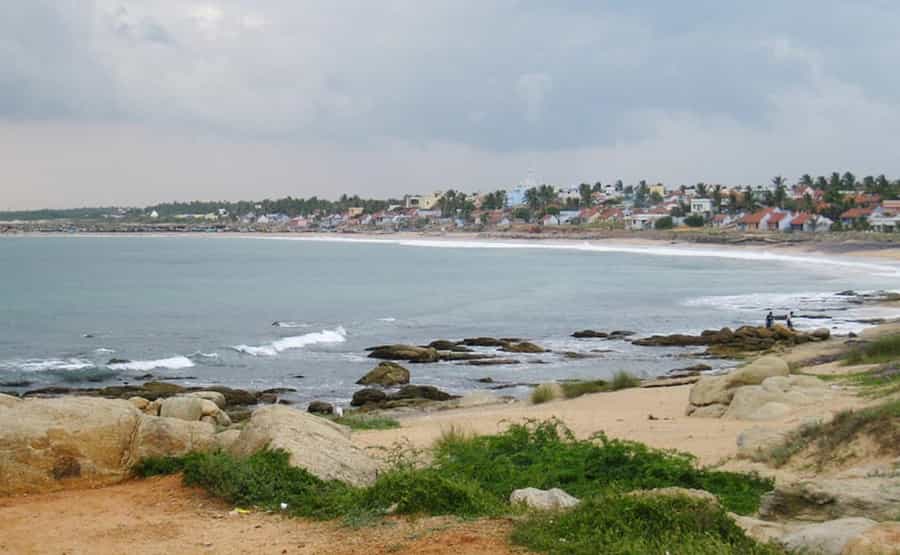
{"x": 522, "y": 347}
{"x": 590, "y": 334}
{"x": 445, "y": 345}
{"x": 428, "y": 392}
{"x": 316, "y": 444}
{"x": 881, "y": 539}
{"x": 756, "y": 441}
{"x": 223, "y": 441}
{"x": 368, "y": 396}
{"x": 409, "y": 353}
{"x": 492, "y": 362}
{"x": 725, "y": 342}
{"x": 712, "y": 395}
{"x": 165, "y": 437}
{"x": 543, "y": 500}
{"x": 483, "y": 342}
{"x": 215, "y": 396}
{"x": 386, "y": 374}
{"x": 320, "y": 407}
{"x": 184, "y": 408}
{"x": 776, "y": 397}
{"x": 827, "y": 538}
{"x": 408, "y": 395}
{"x": 820, "y": 499}
{"x": 760, "y": 530}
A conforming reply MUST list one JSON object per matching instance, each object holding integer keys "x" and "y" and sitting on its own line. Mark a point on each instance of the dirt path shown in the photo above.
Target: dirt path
{"x": 161, "y": 516}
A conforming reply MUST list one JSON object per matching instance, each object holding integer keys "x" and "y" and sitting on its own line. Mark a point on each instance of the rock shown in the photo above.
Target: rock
{"x": 449, "y": 355}
{"x": 484, "y": 342}
{"x": 820, "y": 499}
{"x": 776, "y": 397}
{"x": 409, "y": 353}
{"x": 183, "y": 408}
{"x": 117, "y": 361}
{"x": 670, "y": 382}
{"x": 320, "y": 407}
{"x": 49, "y": 444}
{"x": 163, "y": 437}
{"x": 620, "y": 334}
{"x": 697, "y": 494}
{"x": 757, "y": 371}
{"x": 223, "y": 441}
{"x": 139, "y": 403}
{"x": 8, "y": 401}
{"x": 153, "y": 408}
{"x": 386, "y": 374}
{"x": 493, "y": 362}
{"x": 755, "y": 442}
{"x": 216, "y": 397}
{"x": 368, "y": 396}
{"x": 543, "y": 500}
{"x": 707, "y": 411}
{"x": 208, "y": 420}
{"x": 421, "y": 392}
{"x": 444, "y": 345}
{"x": 760, "y": 530}
{"x": 881, "y": 539}
{"x": 485, "y": 380}
{"x": 720, "y": 390}
{"x": 711, "y": 390}
{"x": 590, "y": 334}
{"x": 523, "y": 347}
{"x": 149, "y": 390}
{"x": 320, "y": 446}
{"x": 821, "y": 333}
{"x": 827, "y": 538}
{"x": 233, "y": 396}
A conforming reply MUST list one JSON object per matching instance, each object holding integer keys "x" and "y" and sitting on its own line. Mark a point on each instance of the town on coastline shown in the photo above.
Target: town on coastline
{"x": 835, "y": 203}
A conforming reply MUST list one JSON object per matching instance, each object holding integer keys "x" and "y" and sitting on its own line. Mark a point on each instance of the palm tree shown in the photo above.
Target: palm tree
{"x": 848, "y": 180}
{"x": 532, "y": 198}
{"x": 806, "y": 180}
{"x": 778, "y": 181}
{"x": 585, "y": 191}
{"x": 701, "y": 189}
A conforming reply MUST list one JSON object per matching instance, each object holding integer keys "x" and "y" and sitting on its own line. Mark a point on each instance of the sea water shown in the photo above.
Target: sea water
{"x": 86, "y": 311}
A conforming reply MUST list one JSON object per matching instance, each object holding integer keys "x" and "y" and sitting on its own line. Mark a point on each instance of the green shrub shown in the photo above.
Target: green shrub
{"x": 624, "y": 525}
{"x": 429, "y": 491}
{"x": 544, "y": 393}
{"x": 359, "y": 422}
{"x": 160, "y": 466}
{"x": 575, "y": 389}
{"x": 664, "y": 223}
{"x": 623, "y": 380}
{"x": 883, "y": 349}
{"x": 694, "y": 220}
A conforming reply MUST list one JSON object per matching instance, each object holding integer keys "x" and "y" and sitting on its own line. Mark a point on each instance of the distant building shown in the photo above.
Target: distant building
{"x": 516, "y": 196}
{"x": 425, "y": 202}
{"x": 702, "y": 206}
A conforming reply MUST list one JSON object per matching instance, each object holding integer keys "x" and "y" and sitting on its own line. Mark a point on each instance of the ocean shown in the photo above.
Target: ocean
{"x": 264, "y": 312}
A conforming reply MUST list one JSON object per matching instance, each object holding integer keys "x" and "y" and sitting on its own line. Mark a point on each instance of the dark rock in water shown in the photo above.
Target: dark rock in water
{"x": 618, "y": 334}
{"x": 847, "y": 293}
{"x": 577, "y": 356}
{"x": 602, "y": 351}
{"x": 512, "y": 385}
{"x": 409, "y": 353}
{"x": 298, "y": 376}
{"x": 149, "y": 390}
{"x": 852, "y": 335}
{"x": 267, "y": 398}
{"x": 483, "y": 342}
{"x": 87, "y": 335}
{"x": 50, "y": 391}
{"x": 485, "y": 380}
{"x": 492, "y": 362}
{"x": 728, "y": 343}
{"x": 386, "y": 374}
{"x": 368, "y": 396}
{"x": 420, "y": 392}
{"x": 182, "y": 378}
{"x": 239, "y": 414}
{"x": 284, "y": 402}
{"x": 238, "y": 397}
{"x": 590, "y": 334}
{"x": 117, "y": 361}
{"x": 145, "y": 377}
{"x": 320, "y": 407}
{"x": 511, "y": 339}
{"x": 451, "y": 356}
{"x": 16, "y": 383}
{"x": 523, "y": 347}
{"x": 279, "y": 390}
{"x": 444, "y": 345}
{"x": 690, "y": 370}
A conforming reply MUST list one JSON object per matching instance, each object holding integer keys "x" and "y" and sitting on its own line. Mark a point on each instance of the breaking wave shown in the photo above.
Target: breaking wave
{"x": 53, "y": 364}
{"x": 338, "y": 335}
{"x": 172, "y": 363}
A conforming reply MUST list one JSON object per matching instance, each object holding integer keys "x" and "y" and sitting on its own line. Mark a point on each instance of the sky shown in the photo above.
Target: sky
{"x": 133, "y": 102}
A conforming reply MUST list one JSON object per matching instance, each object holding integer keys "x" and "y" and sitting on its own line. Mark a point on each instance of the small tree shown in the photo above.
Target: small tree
{"x": 694, "y": 220}
{"x": 664, "y": 223}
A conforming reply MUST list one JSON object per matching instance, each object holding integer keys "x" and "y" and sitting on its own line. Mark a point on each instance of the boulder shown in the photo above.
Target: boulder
{"x": 8, "y": 401}
{"x": 153, "y": 408}
{"x": 139, "y": 403}
{"x": 386, "y": 374}
{"x": 776, "y": 397}
{"x": 368, "y": 396}
{"x": 707, "y": 411}
{"x": 444, "y": 345}
{"x": 183, "y": 408}
{"x": 421, "y": 392}
{"x": 755, "y": 442}
{"x": 523, "y": 347}
{"x": 223, "y": 441}
{"x": 711, "y": 390}
{"x": 762, "y": 531}
{"x": 161, "y": 437}
{"x": 543, "y": 500}
{"x": 215, "y": 396}
{"x": 720, "y": 390}
{"x": 483, "y": 342}
{"x": 49, "y": 444}
{"x": 827, "y": 538}
{"x": 820, "y": 499}
{"x": 232, "y": 396}
{"x": 821, "y": 334}
{"x": 316, "y": 444}
{"x": 320, "y": 407}
{"x": 492, "y": 362}
{"x": 590, "y": 334}
{"x": 409, "y": 353}
{"x": 757, "y": 371}
{"x": 881, "y": 539}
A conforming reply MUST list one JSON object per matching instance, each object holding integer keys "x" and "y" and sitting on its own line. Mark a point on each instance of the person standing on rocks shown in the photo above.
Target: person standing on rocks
{"x": 789, "y": 320}
{"x": 770, "y": 319}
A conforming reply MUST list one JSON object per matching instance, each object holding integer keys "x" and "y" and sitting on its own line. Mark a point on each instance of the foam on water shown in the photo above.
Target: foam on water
{"x": 668, "y": 250}
{"x": 171, "y": 363}
{"x": 44, "y": 365}
{"x": 337, "y": 335}
{"x": 104, "y": 350}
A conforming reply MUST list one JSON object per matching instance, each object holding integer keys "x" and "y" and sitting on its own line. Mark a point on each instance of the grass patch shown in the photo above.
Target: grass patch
{"x": 623, "y": 380}
{"x": 545, "y": 393}
{"x": 881, "y": 350}
{"x": 358, "y": 422}
{"x": 881, "y": 423}
{"x": 621, "y": 525}
{"x": 473, "y": 476}
{"x": 575, "y": 389}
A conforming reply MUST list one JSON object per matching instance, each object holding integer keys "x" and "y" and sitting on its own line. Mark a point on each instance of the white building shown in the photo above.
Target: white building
{"x": 702, "y": 206}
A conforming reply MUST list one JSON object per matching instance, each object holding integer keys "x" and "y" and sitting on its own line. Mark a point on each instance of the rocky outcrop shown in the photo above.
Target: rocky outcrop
{"x": 590, "y": 334}
{"x": 166, "y": 437}
{"x": 320, "y": 407}
{"x": 428, "y": 392}
{"x": 776, "y": 397}
{"x": 712, "y": 395}
{"x": 725, "y": 342}
{"x": 483, "y": 342}
{"x": 183, "y": 408}
{"x": 522, "y": 347}
{"x": 408, "y": 395}
{"x": 8, "y": 401}
{"x": 316, "y": 444}
{"x": 368, "y": 396}
{"x": 756, "y": 442}
{"x": 386, "y": 374}
{"x": 445, "y": 345}
{"x": 881, "y": 539}
{"x": 543, "y": 500}
{"x": 828, "y": 538}
{"x": 409, "y": 353}
{"x": 821, "y": 499}
{"x": 215, "y": 396}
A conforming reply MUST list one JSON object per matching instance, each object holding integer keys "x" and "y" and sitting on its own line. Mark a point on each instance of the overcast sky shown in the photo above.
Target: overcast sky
{"x": 141, "y": 101}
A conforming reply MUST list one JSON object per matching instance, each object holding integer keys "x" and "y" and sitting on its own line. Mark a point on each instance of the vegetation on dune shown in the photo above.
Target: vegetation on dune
{"x": 359, "y": 422}
{"x": 544, "y": 393}
{"x": 576, "y": 388}
{"x": 625, "y": 525}
{"x": 881, "y": 350}
{"x": 474, "y": 476}
{"x": 623, "y": 380}
{"x": 881, "y": 423}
